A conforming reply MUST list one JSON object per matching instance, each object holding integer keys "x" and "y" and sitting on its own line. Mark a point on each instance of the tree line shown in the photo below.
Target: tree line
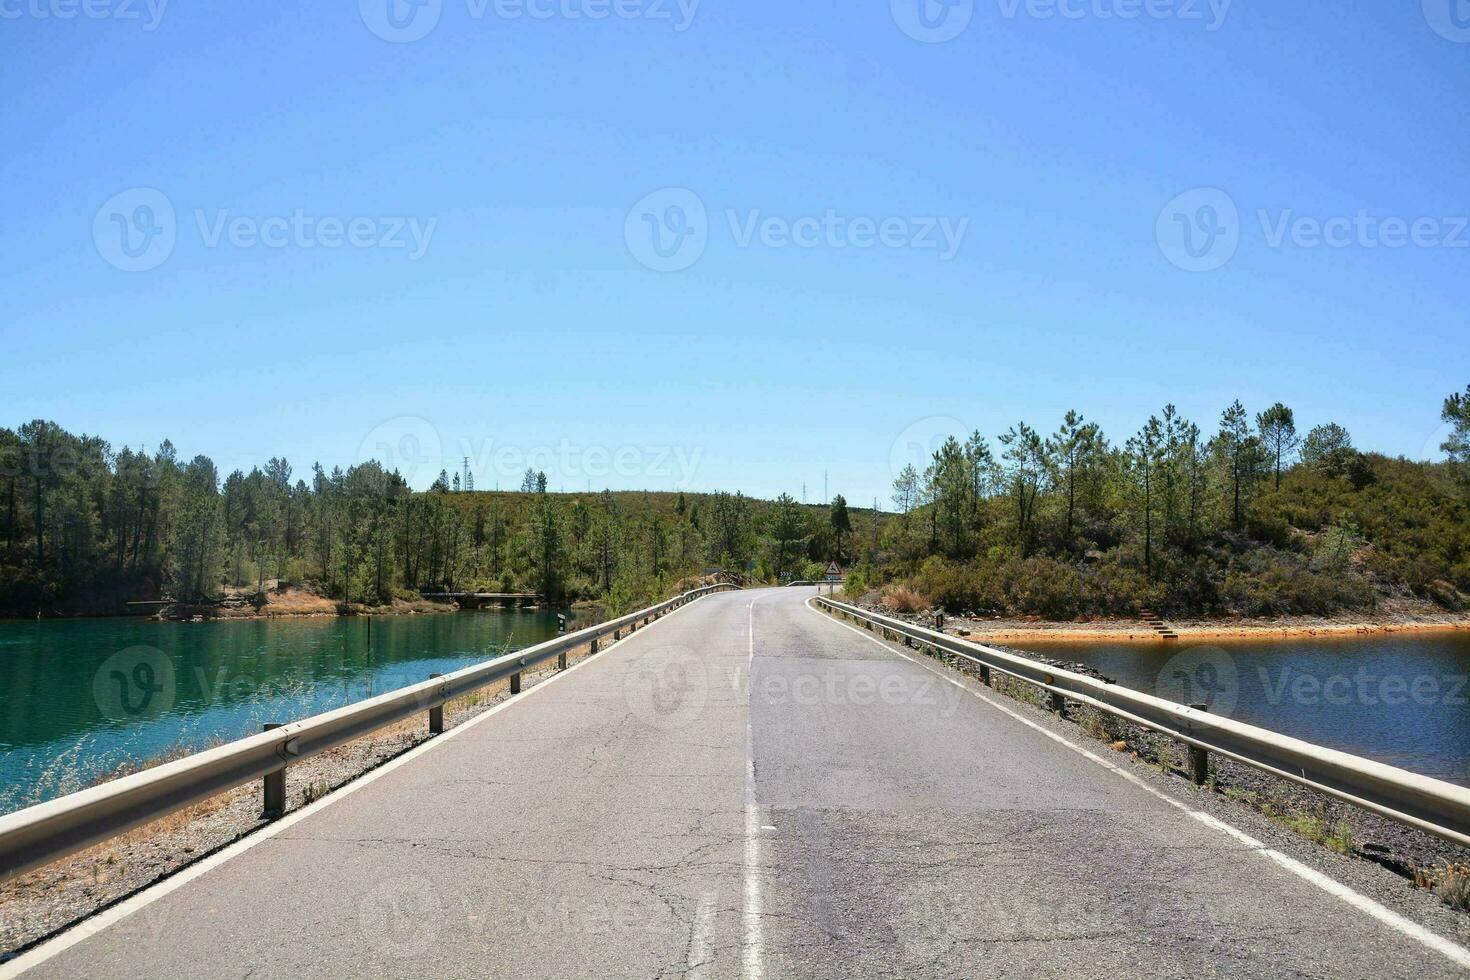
{"x": 1253, "y": 517}
{"x": 86, "y": 528}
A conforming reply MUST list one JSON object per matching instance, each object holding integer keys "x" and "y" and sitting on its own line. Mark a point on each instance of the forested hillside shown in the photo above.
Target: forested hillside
{"x": 1253, "y": 519}
{"x": 85, "y": 528}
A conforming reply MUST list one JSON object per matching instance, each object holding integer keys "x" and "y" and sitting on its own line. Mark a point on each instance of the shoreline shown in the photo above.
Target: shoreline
{"x": 249, "y": 614}
{"x": 239, "y": 616}
{"x": 267, "y": 613}
{"x": 1136, "y": 631}
{"x": 1394, "y": 615}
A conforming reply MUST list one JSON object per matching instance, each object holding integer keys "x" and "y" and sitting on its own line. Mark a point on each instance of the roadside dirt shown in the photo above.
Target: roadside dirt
{"x": 1393, "y": 617}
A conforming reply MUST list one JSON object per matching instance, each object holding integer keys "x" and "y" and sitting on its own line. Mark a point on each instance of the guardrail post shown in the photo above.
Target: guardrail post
{"x": 275, "y": 784}
{"x": 436, "y": 715}
{"x": 593, "y": 646}
{"x": 1199, "y": 759}
{"x": 29, "y": 839}
{"x": 561, "y": 660}
{"x": 985, "y": 674}
{"x": 515, "y": 683}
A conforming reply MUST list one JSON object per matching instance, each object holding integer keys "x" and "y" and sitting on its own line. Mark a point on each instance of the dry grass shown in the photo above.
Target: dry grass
{"x": 295, "y": 600}
{"x": 291, "y": 601}
{"x": 1451, "y": 882}
{"x": 1017, "y": 690}
{"x": 902, "y": 599}
{"x": 1101, "y": 726}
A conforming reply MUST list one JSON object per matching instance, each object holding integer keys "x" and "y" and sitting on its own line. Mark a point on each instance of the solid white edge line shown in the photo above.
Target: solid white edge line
{"x": 752, "y": 958}
{"x": 1406, "y": 927}
{"x": 94, "y": 924}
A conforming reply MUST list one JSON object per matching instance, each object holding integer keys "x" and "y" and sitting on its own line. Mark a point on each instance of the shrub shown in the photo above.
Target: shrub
{"x": 1184, "y": 585}
{"x": 902, "y": 599}
{"x": 1268, "y": 582}
{"x": 1118, "y": 588}
{"x": 1454, "y": 888}
{"x": 1047, "y": 587}
{"x": 948, "y": 585}
{"x": 963, "y": 588}
{"x": 1451, "y": 882}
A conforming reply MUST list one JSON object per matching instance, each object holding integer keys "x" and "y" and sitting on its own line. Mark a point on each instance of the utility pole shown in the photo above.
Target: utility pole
{"x": 825, "y": 495}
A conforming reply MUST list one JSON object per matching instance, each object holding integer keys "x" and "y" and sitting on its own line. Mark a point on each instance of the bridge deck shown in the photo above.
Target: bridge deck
{"x": 748, "y": 787}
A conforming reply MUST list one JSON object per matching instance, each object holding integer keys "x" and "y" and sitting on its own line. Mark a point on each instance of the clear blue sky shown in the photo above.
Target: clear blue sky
{"x": 529, "y": 320}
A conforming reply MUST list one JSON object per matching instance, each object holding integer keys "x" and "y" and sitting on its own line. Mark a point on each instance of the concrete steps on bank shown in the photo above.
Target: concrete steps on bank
{"x": 1157, "y": 624}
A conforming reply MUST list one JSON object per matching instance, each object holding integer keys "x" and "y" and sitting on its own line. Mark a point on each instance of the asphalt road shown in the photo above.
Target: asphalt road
{"x": 748, "y": 788}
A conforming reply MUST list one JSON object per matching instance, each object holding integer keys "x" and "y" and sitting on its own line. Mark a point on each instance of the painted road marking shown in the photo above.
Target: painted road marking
{"x": 752, "y": 960}
{"x": 91, "y": 926}
{"x": 1407, "y": 927}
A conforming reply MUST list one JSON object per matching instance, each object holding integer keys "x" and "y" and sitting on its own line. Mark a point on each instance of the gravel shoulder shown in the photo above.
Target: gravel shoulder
{"x": 1419, "y": 858}
{"x": 1002, "y": 630}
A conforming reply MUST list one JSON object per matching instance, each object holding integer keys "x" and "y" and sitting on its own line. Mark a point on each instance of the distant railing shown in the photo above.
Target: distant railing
{"x": 1432, "y": 805}
{"x": 43, "y": 833}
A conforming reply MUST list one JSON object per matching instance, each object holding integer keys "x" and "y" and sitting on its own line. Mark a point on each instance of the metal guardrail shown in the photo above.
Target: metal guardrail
{"x": 41, "y": 834}
{"x": 1431, "y": 805}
